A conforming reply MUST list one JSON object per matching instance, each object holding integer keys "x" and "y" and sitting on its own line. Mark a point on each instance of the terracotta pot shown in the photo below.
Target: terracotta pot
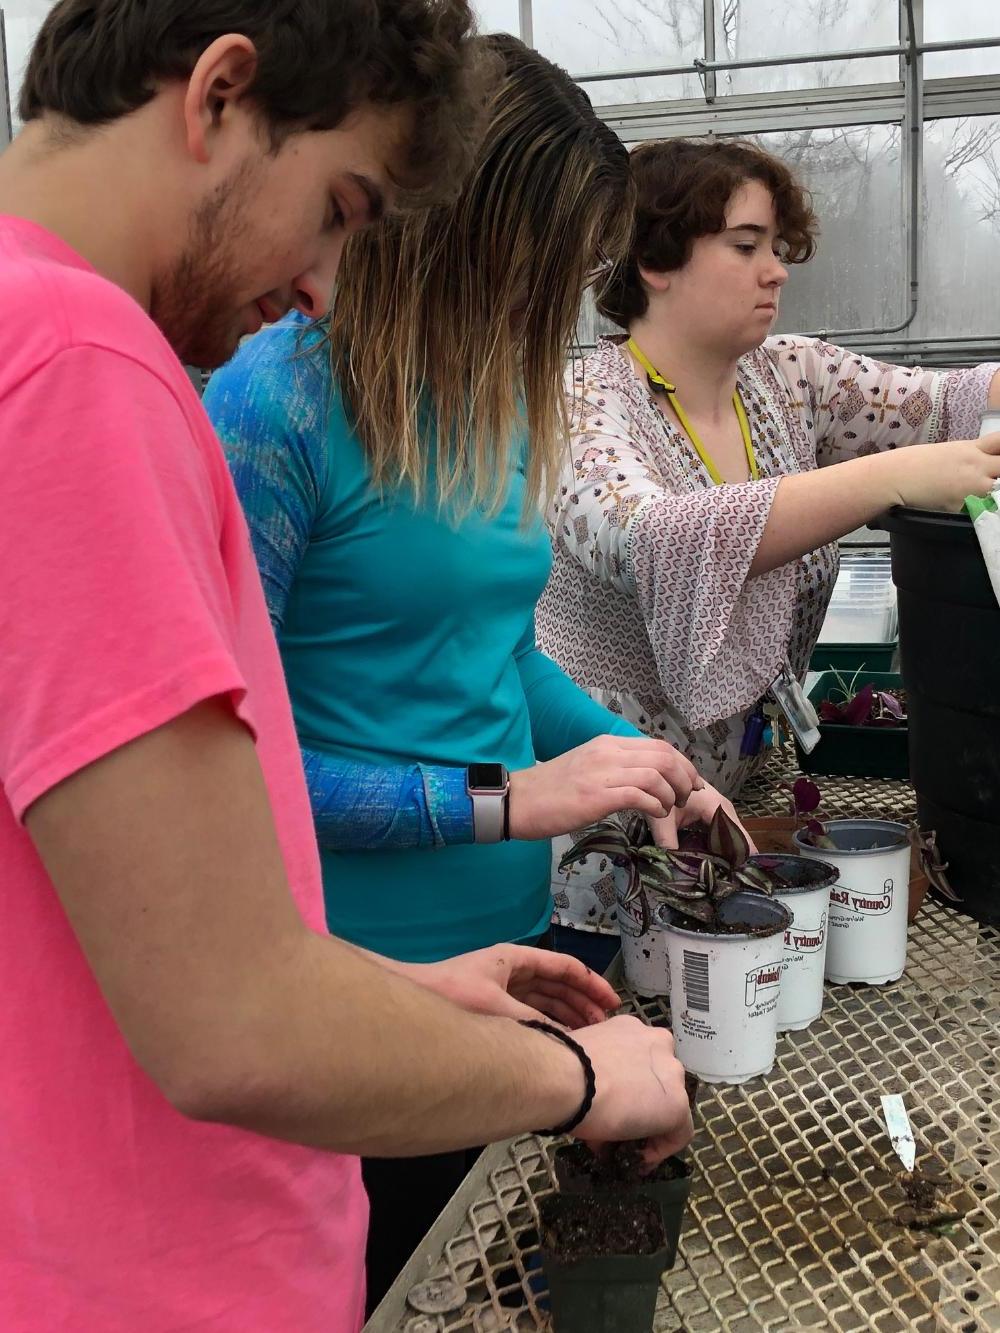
{"x": 775, "y": 833}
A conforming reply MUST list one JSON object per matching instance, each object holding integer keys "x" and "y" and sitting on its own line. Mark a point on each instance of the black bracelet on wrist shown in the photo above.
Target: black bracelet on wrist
{"x": 506, "y": 815}
{"x": 588, "y": 1074}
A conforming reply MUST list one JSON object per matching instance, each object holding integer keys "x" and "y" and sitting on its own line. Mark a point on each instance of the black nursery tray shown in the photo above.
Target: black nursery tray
{"x": 860, "y": 752}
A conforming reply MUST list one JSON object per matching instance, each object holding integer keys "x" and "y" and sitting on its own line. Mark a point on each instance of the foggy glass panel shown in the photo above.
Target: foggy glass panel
{"x": 750, "y": 29}
{"x": 587, "y": 36}
{"x": 22, "y": 20}
{"x": 856, "y": 278}
{"x": 498, "y": 16}
{"x": 960, "y": 229}
{"x": 946, "y": 21}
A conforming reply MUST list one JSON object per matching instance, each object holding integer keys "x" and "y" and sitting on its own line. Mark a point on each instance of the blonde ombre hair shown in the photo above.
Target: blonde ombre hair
{"x": 452, "y": 326}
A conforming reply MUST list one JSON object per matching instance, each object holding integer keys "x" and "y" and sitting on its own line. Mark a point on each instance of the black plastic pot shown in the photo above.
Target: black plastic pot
{"x": 601, "y": 1294}
{"x": 949, "y": 638}
{"x": 668, "y": 1188}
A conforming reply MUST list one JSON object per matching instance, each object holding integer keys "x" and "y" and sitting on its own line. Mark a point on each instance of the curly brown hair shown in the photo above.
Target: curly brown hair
{"x": 95, "y": 61}
{"x": 684, "y": 187}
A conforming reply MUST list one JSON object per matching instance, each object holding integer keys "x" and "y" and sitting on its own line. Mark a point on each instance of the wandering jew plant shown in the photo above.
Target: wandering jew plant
{"x": 805, "y": 806}
{"x": 692, "y": 880}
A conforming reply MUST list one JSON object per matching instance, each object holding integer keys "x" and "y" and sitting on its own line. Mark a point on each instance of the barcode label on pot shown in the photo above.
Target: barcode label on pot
{"x": 696, "y": 980}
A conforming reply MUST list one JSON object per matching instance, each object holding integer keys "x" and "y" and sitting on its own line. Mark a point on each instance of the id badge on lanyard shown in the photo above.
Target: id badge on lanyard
{"x": 799, "y": 712}
{"x": 785, "y": 700}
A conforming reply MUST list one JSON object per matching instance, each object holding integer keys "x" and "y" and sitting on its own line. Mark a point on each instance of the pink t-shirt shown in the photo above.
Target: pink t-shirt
{"x": 130, "y": 594}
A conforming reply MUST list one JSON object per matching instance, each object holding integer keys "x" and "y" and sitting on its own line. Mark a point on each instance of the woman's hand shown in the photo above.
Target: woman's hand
{"x": 940, "y": 476}
{"x": 699, "y": 809}
{"x": 515, "y": 981}
{"x": 608, "y": 774}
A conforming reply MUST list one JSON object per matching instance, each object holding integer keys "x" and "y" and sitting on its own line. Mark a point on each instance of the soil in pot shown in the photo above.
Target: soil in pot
{"x": 735, "y": 927}
{"x": 603, "y": 1257}
{"x": 619, "y": 1172}
{"x": 579, "y": 1227}
{"x": 578, "y": 1170}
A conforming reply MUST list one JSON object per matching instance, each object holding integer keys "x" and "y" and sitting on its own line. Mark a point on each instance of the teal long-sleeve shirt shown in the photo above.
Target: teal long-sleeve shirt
{"x": 409, "y": 651}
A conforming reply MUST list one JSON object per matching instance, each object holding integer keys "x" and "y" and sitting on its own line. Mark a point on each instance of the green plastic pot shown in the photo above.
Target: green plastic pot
{"x": 600, "y": 1294}
{"x": 853, "y": 656}
{"x": 670, "y": 1196}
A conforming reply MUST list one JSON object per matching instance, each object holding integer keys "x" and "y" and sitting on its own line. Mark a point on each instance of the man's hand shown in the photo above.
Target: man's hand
{"x": 607, "y": 774}
{"x": 640, "y": 1089}
{"x": 700, "y": 808}
{"x": 514, "y": 981}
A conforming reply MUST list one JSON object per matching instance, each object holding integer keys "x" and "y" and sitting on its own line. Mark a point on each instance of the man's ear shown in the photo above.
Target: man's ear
{"x": 224, "y": 73}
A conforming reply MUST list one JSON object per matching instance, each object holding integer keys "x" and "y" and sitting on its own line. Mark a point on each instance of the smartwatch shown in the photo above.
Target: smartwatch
{"x": 488, "y": 786}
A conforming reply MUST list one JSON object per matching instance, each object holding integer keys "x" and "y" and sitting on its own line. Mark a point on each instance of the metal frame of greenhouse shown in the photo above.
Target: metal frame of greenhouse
{"x": 906, "y": 103}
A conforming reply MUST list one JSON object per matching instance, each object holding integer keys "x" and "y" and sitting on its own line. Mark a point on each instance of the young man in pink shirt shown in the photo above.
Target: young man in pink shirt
{"x": 189, "y": 1062}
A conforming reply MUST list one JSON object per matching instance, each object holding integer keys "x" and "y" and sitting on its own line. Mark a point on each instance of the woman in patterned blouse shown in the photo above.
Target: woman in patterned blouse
{"x": 686, "y": 576}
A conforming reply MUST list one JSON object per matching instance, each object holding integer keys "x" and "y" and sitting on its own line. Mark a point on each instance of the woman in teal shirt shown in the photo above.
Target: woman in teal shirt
{"x": 406, "y": 622}
{"x": 395, "y": 519}
{"x": 408, "y": 646}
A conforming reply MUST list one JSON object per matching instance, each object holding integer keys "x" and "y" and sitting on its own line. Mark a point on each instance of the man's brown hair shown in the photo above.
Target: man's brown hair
{"x": 97, "y": 60}
{"x": 683, "y": 188}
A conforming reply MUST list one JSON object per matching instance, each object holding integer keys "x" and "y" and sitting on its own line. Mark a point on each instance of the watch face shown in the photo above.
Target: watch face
{"x": 487, "y": 777}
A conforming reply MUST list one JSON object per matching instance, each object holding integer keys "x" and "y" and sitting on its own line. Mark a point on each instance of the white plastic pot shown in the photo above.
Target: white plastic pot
{"x": 724, "y": 989}
{"x": 868, "y": 904}
{"x": 804, "y": 888}
{"x": 644, "y": 943}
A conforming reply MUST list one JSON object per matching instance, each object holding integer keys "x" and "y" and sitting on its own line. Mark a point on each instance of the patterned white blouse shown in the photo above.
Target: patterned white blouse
{"x": 650, "y": 607}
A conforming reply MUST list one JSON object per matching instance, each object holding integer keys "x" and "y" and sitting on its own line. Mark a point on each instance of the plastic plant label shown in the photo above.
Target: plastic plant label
{"x": 897, "y": 1122}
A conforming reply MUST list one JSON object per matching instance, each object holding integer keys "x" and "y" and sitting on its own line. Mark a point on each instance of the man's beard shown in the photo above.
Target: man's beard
{"x": 197, "y": 305}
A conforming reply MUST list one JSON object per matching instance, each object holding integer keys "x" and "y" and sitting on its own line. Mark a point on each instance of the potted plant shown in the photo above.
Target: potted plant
{"x": 725, "y": 939}
{"x": 618, "y": 842}
{"x": 603, "y": 1257}
{"x": 862, "y": 726}
{"x": 776, "y": 833}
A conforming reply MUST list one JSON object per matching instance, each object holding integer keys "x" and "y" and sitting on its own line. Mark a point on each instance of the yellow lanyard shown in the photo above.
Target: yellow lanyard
{"x": 671, "y": 392}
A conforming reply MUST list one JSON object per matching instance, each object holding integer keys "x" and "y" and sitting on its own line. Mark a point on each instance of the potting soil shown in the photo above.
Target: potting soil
{"x": 728, "y": 928}
{"x": 575, "y": 1228}
{"x": 577, "y": 1167}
